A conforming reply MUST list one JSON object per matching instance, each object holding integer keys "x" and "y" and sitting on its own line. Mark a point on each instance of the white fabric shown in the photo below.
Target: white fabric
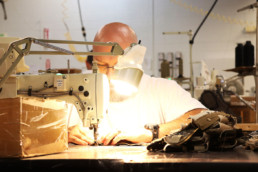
{"x": 158, "y": 101}
{"x": 73, "y": 117}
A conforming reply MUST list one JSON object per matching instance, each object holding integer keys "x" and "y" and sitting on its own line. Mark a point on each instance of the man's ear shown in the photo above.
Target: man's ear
{"x": 88, "y": 65}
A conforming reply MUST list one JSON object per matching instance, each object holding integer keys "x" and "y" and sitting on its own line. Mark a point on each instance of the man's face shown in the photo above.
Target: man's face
{"x": 105, "y": 63}
{"x": 106, "y": 66}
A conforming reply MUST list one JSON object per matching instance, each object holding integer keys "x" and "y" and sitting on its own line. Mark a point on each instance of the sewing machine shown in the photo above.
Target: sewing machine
{"x": 89, "y": 93}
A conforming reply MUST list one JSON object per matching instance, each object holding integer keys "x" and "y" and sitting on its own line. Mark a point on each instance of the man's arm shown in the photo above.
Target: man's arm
{"x": 165, "y": 129}
{"x": 145, "y": 136}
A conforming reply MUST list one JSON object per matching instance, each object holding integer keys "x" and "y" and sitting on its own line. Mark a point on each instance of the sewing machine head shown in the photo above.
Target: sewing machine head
{"x": 88, "y": 92}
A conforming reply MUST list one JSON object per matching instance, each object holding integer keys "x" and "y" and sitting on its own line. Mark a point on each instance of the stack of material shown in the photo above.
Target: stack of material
{"x": 209, "y": 130}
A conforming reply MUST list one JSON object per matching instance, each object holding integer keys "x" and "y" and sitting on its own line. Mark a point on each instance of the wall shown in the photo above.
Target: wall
{"x": 215, "y": 42}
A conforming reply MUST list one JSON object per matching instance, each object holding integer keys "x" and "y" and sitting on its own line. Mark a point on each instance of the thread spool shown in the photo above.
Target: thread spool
{"x": 248, "y": 54}
{"x": 239, "y": 55}
{"x": 180, "y": 67}
{"x": 179, "y": 64}
{"x": 214, "y": 73}
{"x": 165, "y": 69}
{"x": 170, "y": 58}
{"x": 200, "y": 81}
{"x": 48, "y": 64}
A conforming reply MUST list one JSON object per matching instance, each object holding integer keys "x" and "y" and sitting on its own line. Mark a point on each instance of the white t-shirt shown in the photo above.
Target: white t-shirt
{"x": 158, "y": 101}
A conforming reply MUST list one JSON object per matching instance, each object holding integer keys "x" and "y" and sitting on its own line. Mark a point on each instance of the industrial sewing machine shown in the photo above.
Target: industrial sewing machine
{"x": 89, "y": 93}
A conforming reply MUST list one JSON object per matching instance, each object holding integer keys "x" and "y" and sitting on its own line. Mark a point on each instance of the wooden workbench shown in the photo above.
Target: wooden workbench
{"x": 135, "y": 158}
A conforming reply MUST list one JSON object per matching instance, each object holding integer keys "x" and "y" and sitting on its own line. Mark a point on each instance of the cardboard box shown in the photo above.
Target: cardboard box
{"x": 31, "y": 127}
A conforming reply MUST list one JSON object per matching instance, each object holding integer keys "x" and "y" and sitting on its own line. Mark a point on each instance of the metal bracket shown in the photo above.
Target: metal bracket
{"x": 26, "y": 42}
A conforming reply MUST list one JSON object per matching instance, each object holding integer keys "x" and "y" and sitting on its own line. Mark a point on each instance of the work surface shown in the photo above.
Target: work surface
{"x": 136, "y": 158}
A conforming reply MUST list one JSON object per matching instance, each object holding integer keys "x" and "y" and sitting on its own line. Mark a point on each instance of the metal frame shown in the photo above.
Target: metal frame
{"x": 27, "y": 42}
{"x": 255, "y": 5}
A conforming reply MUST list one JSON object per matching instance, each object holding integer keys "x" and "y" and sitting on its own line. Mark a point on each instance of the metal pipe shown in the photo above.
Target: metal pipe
{"x": 73, "y": 53}
{"x": 76, "y": 42}
{"x": 256, "y": 69}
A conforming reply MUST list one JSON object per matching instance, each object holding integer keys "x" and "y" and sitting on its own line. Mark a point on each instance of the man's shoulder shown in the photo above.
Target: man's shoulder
{"x": 156, "y": 82}
{"x": 147, "y": 78}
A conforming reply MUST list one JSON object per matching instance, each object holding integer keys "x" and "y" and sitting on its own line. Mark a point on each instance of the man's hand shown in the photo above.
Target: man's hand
{"x": 135, "y": 136}
{"x": 80, "y": 135}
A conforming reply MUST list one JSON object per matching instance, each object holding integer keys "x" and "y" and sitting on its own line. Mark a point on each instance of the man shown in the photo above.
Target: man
{"x": 158, "y": 101}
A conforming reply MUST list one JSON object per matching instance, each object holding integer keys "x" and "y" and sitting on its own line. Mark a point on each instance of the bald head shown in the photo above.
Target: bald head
{"x": 116, "y": 32}
{"x": 113, "y": 32}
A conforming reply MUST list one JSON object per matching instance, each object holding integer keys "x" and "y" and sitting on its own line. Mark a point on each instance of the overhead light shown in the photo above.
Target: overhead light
{"x": 127, "y": 80}
{"x": 128, "y": 71}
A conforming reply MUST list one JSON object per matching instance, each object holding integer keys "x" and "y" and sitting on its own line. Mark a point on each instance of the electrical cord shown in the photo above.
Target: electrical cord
{"x": 213, "y": 5}
{"x": 5, "y": 15}
{"x": 83, "y": 28}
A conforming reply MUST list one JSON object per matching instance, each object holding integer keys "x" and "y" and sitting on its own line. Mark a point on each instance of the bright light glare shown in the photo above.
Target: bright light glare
{"x": 124, "y": 88}
{"x": 131, "y": 62}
